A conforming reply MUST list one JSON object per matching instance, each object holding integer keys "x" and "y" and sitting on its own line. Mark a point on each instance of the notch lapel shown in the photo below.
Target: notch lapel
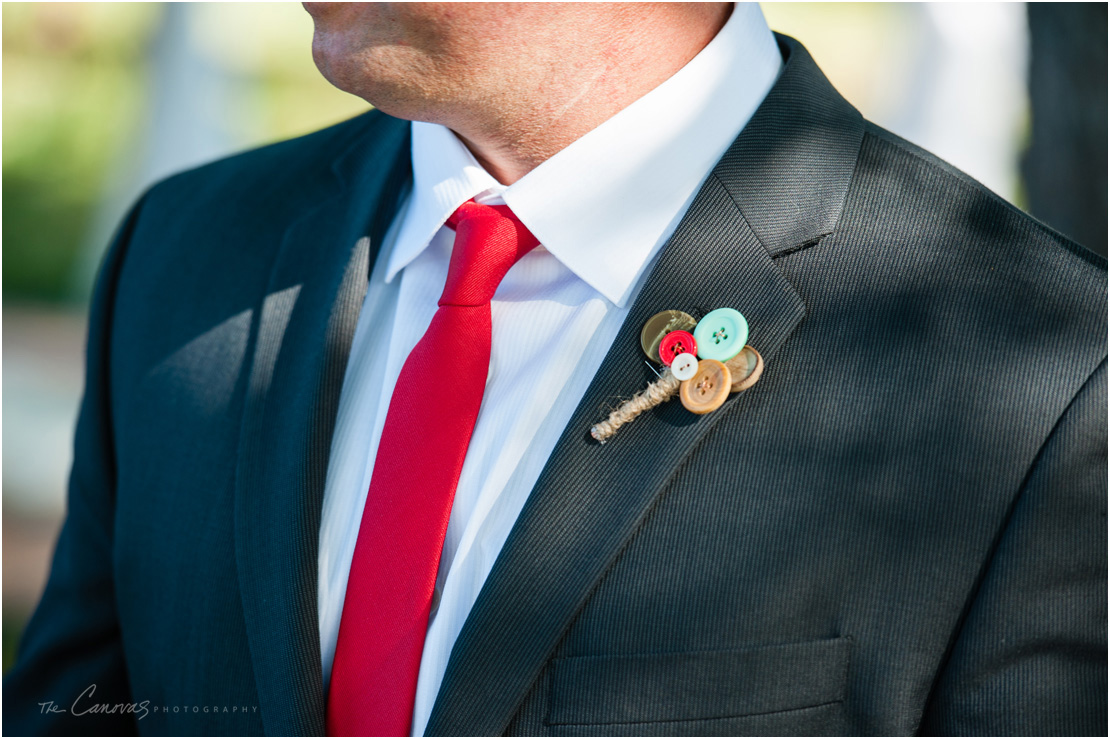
{"x": 305, "y": 328}
{"x": 800, "y": 147}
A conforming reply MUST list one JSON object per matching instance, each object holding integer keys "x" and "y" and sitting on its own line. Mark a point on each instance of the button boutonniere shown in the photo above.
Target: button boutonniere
{"x": 703, "y": 362}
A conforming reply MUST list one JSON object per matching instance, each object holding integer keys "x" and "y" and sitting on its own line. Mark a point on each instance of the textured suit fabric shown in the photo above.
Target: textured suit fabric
{"x": 900, "y": 529}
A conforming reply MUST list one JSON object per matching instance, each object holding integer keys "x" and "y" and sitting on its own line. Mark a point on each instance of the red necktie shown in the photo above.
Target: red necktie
{"x": 420, "y": 456}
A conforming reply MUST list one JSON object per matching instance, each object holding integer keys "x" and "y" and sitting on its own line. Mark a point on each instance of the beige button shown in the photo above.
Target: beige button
{"x": 659, "y": 326}
{"x": 746, "y": 369}
{"x": 708, "y": 389}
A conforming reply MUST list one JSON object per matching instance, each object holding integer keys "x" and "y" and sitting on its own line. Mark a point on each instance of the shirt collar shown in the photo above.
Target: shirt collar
{"x": 604, "y": 204}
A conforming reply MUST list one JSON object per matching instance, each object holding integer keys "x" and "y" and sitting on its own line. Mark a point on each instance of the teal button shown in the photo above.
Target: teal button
{"x": 721, "y": 334}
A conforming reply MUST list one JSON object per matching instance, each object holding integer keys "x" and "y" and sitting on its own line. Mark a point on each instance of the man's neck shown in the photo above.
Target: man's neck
{"x": 556, "y": 103}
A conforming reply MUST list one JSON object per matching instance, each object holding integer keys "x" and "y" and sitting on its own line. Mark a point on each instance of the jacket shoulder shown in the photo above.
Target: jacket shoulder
{"x": 938, "y": 183}
{"x": 210, "y": 236}
{"x": 968, "y": 274}
{"x": 277, "y": 174}
{"x": 958, "y": 236}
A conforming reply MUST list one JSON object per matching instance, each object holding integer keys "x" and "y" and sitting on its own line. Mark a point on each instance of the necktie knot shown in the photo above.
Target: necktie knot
{"x": 489, "y": 239}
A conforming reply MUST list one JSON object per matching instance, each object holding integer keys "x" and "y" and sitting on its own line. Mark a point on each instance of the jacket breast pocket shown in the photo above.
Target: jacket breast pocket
{"x": 693, "y": 686}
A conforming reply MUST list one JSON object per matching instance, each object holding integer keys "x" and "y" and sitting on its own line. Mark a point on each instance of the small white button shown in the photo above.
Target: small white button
{"x": 684, "y": 366}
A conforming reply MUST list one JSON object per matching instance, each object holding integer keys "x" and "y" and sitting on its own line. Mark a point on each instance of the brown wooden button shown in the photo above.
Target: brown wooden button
{"x": 659, "y": 326}
{"x": 746, "y": 368}
{"x": 708, "y": 389}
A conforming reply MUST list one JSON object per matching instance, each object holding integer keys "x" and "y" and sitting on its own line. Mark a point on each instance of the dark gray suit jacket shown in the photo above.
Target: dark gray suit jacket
{"x": 901, "y": 528}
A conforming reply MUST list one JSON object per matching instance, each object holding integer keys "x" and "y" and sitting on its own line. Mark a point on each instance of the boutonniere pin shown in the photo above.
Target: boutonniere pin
{"x": 703, "y": 362}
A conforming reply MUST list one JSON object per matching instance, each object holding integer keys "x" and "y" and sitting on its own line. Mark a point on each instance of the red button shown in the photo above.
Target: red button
{"x": 675, "y": 343}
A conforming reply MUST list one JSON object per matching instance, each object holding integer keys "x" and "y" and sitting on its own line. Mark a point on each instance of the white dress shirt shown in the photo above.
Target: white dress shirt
{"x": 601, "y": 208}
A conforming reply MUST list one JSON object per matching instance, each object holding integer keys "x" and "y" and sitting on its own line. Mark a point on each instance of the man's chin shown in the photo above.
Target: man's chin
{"x": 319, "y": 10}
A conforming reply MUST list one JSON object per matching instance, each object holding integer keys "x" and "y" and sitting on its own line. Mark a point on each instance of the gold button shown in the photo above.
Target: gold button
{"x": 659, "y": 326}
{"x": 708, "y": 389}
{"x": 746, "y": 369}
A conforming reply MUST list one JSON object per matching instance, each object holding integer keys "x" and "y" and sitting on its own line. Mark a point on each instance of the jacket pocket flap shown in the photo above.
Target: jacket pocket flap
{"x": 698, "y": 685}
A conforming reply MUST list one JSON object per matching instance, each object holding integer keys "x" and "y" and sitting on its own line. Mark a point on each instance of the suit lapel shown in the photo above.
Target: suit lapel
{"x": 304, "y": 331}
{"x": 590, "y": 499}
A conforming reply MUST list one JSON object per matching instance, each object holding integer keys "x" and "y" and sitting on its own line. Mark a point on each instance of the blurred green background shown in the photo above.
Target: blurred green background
{"x": 101, "y": 99}
{"x": 85, "y": 83}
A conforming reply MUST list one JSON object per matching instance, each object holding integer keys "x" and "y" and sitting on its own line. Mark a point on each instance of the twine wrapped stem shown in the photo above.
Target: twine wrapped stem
{"x": 660, "y": 391}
